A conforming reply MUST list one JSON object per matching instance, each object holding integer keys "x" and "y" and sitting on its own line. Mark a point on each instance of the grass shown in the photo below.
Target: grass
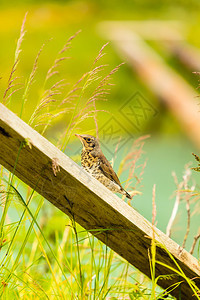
{"x": 43, "y": 254}
{"x": 70, "y": 264}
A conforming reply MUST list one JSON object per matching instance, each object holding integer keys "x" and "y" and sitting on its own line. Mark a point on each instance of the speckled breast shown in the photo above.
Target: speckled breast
{"x": 89, "y": 163}
{"x": 92, "y": 165}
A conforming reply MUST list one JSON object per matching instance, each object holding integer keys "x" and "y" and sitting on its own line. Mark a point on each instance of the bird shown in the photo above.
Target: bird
{"x": 95, "y": 163}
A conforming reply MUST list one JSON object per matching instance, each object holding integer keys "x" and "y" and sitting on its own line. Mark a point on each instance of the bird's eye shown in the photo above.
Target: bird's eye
{"x": 88, "y": 139}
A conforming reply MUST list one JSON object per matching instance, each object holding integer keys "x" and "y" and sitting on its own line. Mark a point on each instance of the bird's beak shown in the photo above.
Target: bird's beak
{"x": 79, "y": 137}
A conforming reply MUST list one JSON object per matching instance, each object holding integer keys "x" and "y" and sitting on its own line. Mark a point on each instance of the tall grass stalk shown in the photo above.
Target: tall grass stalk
{"x": 13, "y": 85}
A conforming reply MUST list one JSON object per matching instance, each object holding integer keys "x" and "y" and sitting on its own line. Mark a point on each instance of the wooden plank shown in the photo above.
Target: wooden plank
{"x": 180, "y": 98}
{"x": 165, "y": 30}
{"x": 91, "y": 204}
{"x": 187, "y": 54}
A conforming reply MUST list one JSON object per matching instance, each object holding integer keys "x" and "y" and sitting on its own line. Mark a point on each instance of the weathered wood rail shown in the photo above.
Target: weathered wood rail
{"x": 91, "y": 204}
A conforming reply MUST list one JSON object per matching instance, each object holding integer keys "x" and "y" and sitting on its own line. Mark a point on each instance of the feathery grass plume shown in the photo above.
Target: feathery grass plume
{"x": 19, "y": 42}
{"x": 44, "y": 112}
{"x": 53, "y": 69}
{"x": 88, "y": 108}
{"x": 86, "y": 80}
{"x": 100, "y": 93}
{"x": 14, "y": 86}
{"x": 198, "y": 160}
{"x": 49, "y": 106}
{"x": 30, "y": 80}
{"x": 130, "y": 162}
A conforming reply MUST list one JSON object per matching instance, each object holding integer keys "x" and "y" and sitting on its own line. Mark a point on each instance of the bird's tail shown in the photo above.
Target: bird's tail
{"x": 127, "y": 194}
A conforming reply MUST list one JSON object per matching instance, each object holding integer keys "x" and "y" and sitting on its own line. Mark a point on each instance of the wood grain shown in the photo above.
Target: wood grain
{"x": 91, "y": 204}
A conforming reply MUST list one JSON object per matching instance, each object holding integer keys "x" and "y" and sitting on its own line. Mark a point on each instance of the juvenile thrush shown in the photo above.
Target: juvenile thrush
{"x": 95, "y": 163}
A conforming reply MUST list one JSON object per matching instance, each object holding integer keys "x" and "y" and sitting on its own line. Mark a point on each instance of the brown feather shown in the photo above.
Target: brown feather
{"x": 108, "y": 170}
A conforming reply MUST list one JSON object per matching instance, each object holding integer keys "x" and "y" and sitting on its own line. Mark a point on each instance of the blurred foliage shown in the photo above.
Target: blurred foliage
{"x": 125, "y": 5}
{"x": 60, "y": 19}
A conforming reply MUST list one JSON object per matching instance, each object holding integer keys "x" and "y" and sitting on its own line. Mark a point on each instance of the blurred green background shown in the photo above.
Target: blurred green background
{"x": 168, "y": 149}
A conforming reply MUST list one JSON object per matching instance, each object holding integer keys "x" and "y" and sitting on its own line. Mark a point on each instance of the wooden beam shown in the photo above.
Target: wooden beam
{"x": 91, "y": 204}
{"x": 180, "y": 98}
{"x": 164, "y": 30}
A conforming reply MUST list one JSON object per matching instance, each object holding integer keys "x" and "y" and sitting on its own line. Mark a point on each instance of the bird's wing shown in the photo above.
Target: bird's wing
{"x": 108, "y": 171}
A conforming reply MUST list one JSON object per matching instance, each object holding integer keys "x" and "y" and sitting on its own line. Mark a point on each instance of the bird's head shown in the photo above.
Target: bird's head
{"x": 89, "y": 142}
